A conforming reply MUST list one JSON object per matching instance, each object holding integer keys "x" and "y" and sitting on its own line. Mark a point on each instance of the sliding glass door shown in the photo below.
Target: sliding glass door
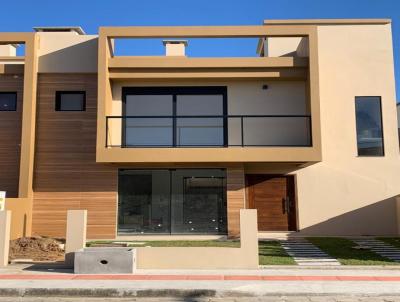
{"x": 144, "y": 201}
{"x": 150, "y": 121}
{"x": 200, "y": 121}
{"x": 174, "y": 116}
{"x": 199, "y": 202}
{"x": 182, "y": 201}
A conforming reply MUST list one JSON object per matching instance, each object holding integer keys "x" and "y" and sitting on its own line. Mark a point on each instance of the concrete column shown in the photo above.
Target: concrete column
{"x": 5, "y": 228}
{"x": 249, "y": 235}
{"x": 8, "y": 50}
{"x": 76, "y": 234}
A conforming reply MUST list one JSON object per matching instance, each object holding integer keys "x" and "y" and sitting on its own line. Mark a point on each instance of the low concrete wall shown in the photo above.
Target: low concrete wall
{"x": 245, "y": 257}
{"x": 5, "y": 225}
{"x": 398, "y": 213}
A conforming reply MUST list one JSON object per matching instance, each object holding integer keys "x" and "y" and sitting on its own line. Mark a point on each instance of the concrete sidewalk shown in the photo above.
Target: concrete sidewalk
{"x": 23, "y": 280}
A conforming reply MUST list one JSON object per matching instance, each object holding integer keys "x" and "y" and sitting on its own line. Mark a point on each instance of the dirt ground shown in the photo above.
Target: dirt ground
{"x": 37, "y": 249}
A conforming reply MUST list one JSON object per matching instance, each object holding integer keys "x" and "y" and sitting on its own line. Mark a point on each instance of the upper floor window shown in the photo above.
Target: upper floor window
{"x": 174, "y": 116}
{"x": 369, "y": 126}
{"x": 8, "y": 101}
{"x": 70, "y": 101}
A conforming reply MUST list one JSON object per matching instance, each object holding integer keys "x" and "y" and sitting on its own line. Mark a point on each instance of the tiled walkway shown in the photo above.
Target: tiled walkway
{"x": 380, "y": 247}
{"x": 29, "y": 281}
{"x": 305, "y": 253}
{"x": 216, "y": 277}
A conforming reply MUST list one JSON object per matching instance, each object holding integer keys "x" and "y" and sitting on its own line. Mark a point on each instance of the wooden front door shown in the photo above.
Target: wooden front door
{"x": 274, "y": 198}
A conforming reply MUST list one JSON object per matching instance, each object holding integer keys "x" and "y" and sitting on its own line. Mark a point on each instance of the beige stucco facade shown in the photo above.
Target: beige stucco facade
{"x": 305, "y": 68}
{"x": 360, "y": 191}
{"x": 67, "y": 52}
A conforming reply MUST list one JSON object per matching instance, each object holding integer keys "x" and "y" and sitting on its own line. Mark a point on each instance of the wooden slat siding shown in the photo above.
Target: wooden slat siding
{"x": 236, "y": 199}
{"x": 66, "y": 174}
{"x": 10, "y": 136}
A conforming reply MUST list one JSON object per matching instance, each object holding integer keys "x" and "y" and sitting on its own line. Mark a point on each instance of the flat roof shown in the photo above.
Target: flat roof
{"x": 76, "y": 29}
{"x": 326, "y": 21}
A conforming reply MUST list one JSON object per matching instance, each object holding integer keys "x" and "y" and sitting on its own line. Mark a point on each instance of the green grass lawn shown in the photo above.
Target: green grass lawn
{"x": 270, "y": 252}
{"x": 395, "y": 241}
{"x": 342, "y": 249}
{"x": 175, "y": 243}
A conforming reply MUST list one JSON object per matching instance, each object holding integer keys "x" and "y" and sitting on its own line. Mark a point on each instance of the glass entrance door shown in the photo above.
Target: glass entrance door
{"x": 182, "y": 201}
{"x": 144, "y": 201}
{"x": 199, "y": 202}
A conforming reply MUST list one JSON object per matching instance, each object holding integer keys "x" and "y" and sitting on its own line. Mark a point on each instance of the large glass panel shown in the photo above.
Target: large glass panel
{"x": 369, "y": 126}
{"x": 182, "y": 201}
{"x": 199, "y": 202}
{"x": 144, "y": 201}
{"x": 276, "y": 131}
{"x": 151, "y": 131}
{"x": 201, "y": 131}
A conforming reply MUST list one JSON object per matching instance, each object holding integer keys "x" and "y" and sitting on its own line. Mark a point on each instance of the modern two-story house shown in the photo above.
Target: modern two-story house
{"x": 305, "y": 131}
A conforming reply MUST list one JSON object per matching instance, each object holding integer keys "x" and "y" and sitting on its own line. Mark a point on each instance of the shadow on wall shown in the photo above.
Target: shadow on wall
{"x": 380, "y": 218}
{"x": 81, "y": 57}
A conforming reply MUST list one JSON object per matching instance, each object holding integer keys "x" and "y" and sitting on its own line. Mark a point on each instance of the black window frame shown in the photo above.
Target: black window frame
{"x": 58, "y": 100}
{"x": 15, "y": 99}
{"x": 174, "y": 91}
{"x": 381, "y": 125}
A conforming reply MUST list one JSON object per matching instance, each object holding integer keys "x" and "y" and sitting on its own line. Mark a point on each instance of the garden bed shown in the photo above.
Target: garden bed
{"x": 37, "y": 249}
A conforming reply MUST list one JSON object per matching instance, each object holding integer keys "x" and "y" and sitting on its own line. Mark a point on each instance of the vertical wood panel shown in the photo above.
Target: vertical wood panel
{"x": 10, "y": 136}
{"x": 236, "y": 198}
{"x": 66, "y": 173}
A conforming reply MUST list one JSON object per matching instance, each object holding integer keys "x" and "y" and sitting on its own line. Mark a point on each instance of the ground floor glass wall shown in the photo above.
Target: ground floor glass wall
{"x": 181, "y": 201}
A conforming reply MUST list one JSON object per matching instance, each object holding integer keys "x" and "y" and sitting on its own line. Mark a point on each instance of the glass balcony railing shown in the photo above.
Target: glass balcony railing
{"x": 208, "y": 131}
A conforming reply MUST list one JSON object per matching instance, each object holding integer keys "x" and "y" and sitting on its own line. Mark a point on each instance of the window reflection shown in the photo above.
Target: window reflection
{"x": 369, "y": 126}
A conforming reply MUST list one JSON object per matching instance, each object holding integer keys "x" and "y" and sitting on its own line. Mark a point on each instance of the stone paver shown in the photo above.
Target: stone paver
{"x": 305, "y": 253}
{"x": 380, "y": 247}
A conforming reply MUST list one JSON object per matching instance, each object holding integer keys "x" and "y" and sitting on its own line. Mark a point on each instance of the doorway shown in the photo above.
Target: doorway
{"x": 274, "y": 198}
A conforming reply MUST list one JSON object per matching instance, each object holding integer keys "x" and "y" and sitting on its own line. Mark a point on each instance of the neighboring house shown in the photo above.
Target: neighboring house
{"x": 305, "y": 132}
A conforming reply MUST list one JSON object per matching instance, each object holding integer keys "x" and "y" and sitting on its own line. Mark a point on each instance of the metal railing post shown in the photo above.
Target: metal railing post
{"x": 106, "y": 131}
{"x": 241, "y": 129}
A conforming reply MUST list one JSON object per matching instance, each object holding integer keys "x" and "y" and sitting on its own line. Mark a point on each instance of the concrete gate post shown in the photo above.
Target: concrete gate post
{"x": 249, "y": 235}
{"x": 75, "y": 238}
{"x": 5, "y": 229}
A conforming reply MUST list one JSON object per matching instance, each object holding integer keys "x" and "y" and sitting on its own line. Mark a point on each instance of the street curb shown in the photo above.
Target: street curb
{"x": 104, "y": 292}
{"x": 157, "y": 293}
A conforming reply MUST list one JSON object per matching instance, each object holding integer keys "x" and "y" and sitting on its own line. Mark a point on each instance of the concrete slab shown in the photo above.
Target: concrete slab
{"x": 271, "y": 270}
{"x": 105, "y": 260}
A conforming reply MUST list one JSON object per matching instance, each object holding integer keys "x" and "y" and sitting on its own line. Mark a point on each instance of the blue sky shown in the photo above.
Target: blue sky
{"x": 94, "y": 13}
